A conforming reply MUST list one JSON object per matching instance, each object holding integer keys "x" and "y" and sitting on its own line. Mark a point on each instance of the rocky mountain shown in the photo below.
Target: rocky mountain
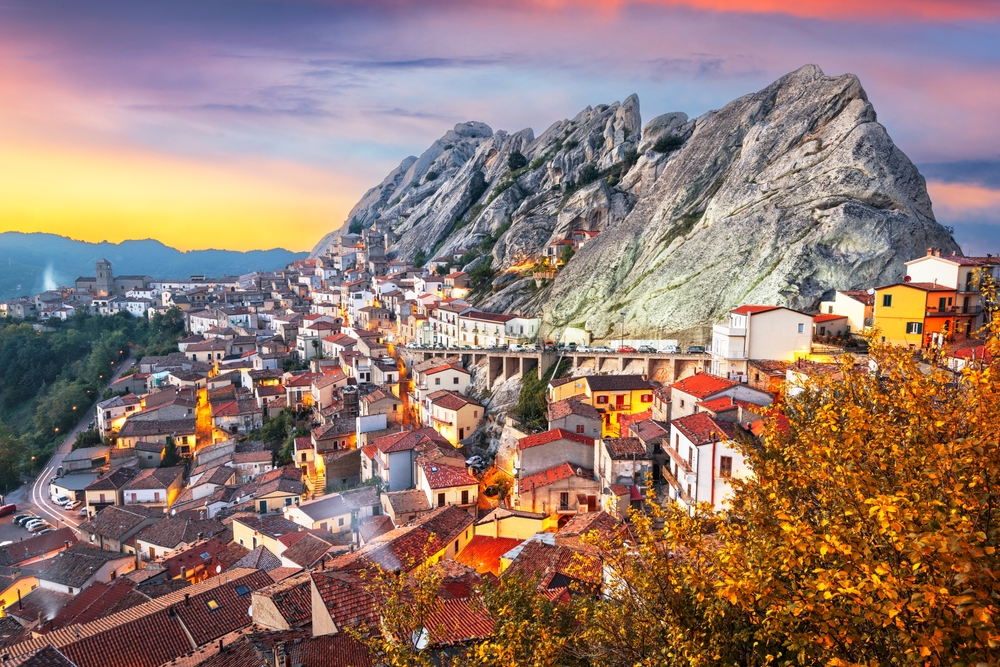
{"x": 781, "y": 197}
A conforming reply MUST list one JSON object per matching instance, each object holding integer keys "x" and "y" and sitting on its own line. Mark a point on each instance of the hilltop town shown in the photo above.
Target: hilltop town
{"x": 188, "y": 528}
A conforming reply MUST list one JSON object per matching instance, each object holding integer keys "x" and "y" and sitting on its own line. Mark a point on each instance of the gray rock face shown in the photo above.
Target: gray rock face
{"x": 780, "y": 197}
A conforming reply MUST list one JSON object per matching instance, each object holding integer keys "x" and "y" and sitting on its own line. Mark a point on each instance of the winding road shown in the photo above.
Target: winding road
{"x": 38, "y": 496}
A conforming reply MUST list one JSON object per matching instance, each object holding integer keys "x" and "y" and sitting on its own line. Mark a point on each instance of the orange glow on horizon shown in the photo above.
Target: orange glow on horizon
{"x": 958, "y": 198}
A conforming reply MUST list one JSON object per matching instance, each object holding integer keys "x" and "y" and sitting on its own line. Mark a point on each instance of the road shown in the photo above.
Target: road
{"x": 38, "y": 492}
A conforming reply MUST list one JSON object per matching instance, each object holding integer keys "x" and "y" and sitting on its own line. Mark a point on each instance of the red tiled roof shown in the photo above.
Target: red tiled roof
{"x": 551, "y": 476}
{"x": 553, "y": 436}
{"x": 828, "y": 317}
{"x": 451, "y": 400}
{"x": 483, "y": 553}
{"x": 699, "y": 427}
{"x": 407, "y": 440}
{"x": 572, "y": 406}
{"x": 727, "y": 403}
{"x": 444, "y": 476}
{"x": 752, "y": 310}
{"x": 703, "y": 385}
{"x": 625, "y": 448}
{"x": 458, "y": 621}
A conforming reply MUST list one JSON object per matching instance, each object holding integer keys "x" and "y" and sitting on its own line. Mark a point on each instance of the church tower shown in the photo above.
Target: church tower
{"x": 105, "y": 279}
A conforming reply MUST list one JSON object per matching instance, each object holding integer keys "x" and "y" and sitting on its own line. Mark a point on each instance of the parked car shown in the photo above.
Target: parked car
{"x": 22, "y": 519}
{"x": 696, "y": 349}
{"x": 34, "y": 522}
{"x": 6, "y": 543}
{"x": 7, "y": 509}
{"x": 646, "y": 349}
{"x": 626, "y": 349}
{"x": 83, "y": 511}
{"x": 60, "y": 500}
{"x": 670, "y": 349}
{"x": 600, "y": 348}
{"x": 581, "y": 348}
{"x": 475, "y": 461}
{"x": 45, "y": 531}
{"x": 39, "y": 527}
{"x": 73, "y": 505}
{"x": 515, "y": 347}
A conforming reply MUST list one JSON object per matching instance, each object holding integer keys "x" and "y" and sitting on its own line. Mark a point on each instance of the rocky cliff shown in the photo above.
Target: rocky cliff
{"x": 780, "y": 197}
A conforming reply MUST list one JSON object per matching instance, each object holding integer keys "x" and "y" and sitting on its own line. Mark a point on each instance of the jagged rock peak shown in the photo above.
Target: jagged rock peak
{"x": 781, "y": 196}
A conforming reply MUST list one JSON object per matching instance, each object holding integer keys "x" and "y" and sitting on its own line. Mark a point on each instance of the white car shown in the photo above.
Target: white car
{"x": 34, "y": 522}
{"x": 60, "y": 500}
{"x": 670, "y": 349}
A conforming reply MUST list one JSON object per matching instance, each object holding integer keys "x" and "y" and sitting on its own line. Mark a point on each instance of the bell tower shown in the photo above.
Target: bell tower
{"x": 105, "y": 279}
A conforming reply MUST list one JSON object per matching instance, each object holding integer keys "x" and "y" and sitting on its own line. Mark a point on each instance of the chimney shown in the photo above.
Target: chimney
{"x": 930, "y": 252}
{"x": 187, "y": 599}
{"x": 183, "y": 571}
{"x": 937, "y": 253}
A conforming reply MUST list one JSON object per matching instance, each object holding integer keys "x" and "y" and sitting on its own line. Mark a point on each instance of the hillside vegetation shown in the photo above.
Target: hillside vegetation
{"x": 49, "y": 379}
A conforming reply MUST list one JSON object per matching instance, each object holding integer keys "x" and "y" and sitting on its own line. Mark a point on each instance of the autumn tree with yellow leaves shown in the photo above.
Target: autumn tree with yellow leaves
{"x": 867, "y": 536}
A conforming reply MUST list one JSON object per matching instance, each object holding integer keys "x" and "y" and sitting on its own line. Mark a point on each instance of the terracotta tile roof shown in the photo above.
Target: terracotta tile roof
{"x": 616, "y": 382}
{"x": 135, "y": 428}
{"x": 458, "y": 622}
{"x": 48, "y": 656}
{"x": 602, "y": 523}
{"x": 292, "y": 598}
{"x": 569, "y": 406}
{"x": 440, "y": 476}
{"x": 154, "y": 478}
{"x": 259, "y": 558}
{"x": 923, "y": 287}
{"x": 282, "y": 573}
{"x": 446, "y": 367}
{"x": 12, "y": 632}
{"x": 373, "y": 526}
{"x": 551, "y": 476}
{"x": 307, "y": 551}
{"x": 828, "y": 317}
{"x": 42, "y": 601}
{"x": 36, "y": 546}
{"x": 240, "y": 406}
{"x": 555, "y": 565}
{"x": 726, "y": 404}
{"x": 76, "y": 565}
{"x": 860, "y": 295}
{"x": 406, "y": 501}
{"x": 451, "y": 400}
{"x": 649, "y": 430}
{"x": 114, "y": 479}
{"x": 553, "y": 435}
{"x": 698, "y": 428}
{"x": 407, "y": 440}
{"x": 753, "y": 310}
{"x": 171, "y": 532}
{"x": 703, "y": 385}
{"x": 483, "y": 553}
{"x": 91, "y": 603}
{"x": 201, "y": 553}
{"x": 345, "y": 596}
{"x": 624, "y": 448}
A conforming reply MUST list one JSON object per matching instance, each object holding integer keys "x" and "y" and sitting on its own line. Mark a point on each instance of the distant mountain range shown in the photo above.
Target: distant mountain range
{"x": 31, "y": 263}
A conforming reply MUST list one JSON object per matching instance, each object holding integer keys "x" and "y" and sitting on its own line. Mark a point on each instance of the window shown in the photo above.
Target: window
{"x": 340, "y": 522}
{"x": 646, "y": 398}
{"x": 213, "y": 605}
{"x": 454, "y": 380}
{"x": 690, "y": 457}
{"x": 564, "y": 500}
{"x": 677, "y": 442}
{"x": 465, "y": 497}
{"x": 682, "y": 402}
{"x": 602, "y": 400}
{"x": 579, "y": 428}
{"x": 456, "y": 546}
{"x": 802, "y": 328}
{"x": 440, "y": 500}
{"x": 726, "y": 466}
{"x": 475, "y": 414}
{"x": 288, "y": 501}
{"x": 914, "y": 327}
{"x": 437, "y": 380}
{"x": 242, "y": 591}
{"x": 887, "y": 301}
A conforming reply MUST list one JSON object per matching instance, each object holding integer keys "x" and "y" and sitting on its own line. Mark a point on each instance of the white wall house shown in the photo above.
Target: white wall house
{"x": 759, "y": 332}
{"x": 702, "y": 461}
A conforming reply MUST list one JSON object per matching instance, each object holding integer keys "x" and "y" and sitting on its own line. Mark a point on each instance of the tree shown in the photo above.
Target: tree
{"x": 170, "y": 455}
{"x": 11, "y": 450}
{"x": 588, "y": 174}
{"x": 420, "y": 258}
{"x": 355, "y": 227}
{"x": 516, "y": 160}
{"x": 88, "y": 439}
{"x": 566, "y": 254}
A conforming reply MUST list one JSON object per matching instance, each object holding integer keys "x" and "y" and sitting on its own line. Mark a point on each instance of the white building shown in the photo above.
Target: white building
{"x": 702, "y": 461}
{"x": 759, "y": 332}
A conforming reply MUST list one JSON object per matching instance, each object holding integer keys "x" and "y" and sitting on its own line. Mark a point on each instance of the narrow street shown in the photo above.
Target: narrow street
{"x": 36, "y": 495}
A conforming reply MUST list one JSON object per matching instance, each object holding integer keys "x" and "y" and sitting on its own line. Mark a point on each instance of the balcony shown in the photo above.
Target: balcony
{"x": 673, "y": 483}
{"x": 728, "y": 331}
{"x": 442, "y": 421}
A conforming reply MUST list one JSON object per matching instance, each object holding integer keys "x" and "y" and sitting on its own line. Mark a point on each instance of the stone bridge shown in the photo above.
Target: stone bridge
{"x": 505, "y": 364}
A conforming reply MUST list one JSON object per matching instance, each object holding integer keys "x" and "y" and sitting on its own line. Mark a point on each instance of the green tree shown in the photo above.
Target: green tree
{"x": 355, "y": 227}
{"x": 420, "y": 258}
{"x": 566, "y": 254}
{"x": 11, "y": 449}
{"x": 170, "y": 455}
{"x": 516, "y": 160}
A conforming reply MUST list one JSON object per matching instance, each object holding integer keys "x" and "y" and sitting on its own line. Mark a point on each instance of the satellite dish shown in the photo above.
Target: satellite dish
{"x": 871, "y": 290}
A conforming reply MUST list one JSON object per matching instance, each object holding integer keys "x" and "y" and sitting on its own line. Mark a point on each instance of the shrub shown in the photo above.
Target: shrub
{"x": 571, "y": 144}
{"x": 355, "y": 227}
{"x": 588, "y": 174}
{"x": 516, "y": 160}
{"x": 668, "y": 143}
{"x": 420, "y": 258}
{"x": 431, "y": 176}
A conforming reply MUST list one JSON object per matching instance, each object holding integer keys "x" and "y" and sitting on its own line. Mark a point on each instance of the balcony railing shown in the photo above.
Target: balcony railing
{"x": 953, "y": 310}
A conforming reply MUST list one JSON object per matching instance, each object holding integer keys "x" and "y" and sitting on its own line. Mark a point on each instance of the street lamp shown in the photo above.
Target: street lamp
{"x": 622, "y": 313}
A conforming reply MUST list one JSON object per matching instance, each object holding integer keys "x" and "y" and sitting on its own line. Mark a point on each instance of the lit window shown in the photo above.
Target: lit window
{"x": 213, "y": 605}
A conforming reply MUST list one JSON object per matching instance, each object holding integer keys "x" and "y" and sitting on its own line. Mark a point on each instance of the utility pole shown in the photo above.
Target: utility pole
{"x": 622, "y": 313}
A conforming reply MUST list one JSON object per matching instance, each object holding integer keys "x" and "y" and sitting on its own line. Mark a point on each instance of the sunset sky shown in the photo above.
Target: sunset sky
{"x": 246, "y": 124}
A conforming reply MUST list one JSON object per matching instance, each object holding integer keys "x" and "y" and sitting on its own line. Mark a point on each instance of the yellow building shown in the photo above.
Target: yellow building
{"x": 254, "y": 531}
{"x": 453, "y": 415}
{"x": 917, "y": 314}
{"x": 612, "y": 396}
{"x": 16, "y": 588}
